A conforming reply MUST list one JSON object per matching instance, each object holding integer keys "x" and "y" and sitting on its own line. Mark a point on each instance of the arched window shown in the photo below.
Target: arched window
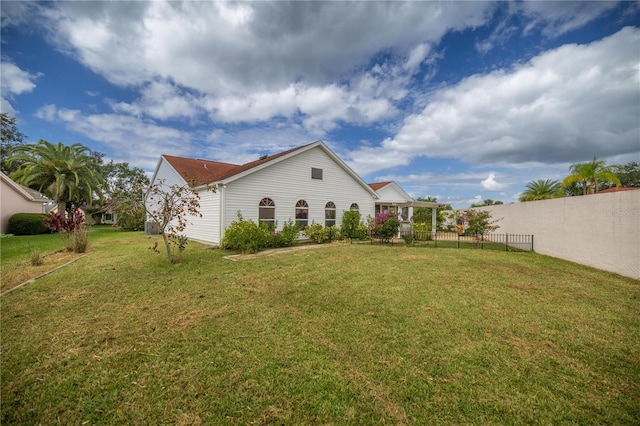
{"x": 302, "y": 214}
{"x": 267, "y": 212}
{"x": 354, "y": 207}
{"x": 330, "y": 214}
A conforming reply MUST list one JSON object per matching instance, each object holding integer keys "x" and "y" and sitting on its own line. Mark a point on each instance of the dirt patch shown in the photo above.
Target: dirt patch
{"x": 17, "y": 273}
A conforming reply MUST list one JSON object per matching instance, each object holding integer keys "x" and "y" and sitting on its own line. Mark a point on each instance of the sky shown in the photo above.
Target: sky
{"x": 461, "y": 101}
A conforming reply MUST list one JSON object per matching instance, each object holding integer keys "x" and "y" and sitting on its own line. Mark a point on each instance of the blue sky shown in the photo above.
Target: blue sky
{"x": 463, "y": 101}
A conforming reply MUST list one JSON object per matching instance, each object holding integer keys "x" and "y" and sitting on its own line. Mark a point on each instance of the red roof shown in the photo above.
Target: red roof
{"x": 199, "y": 172}
{"x": 614, "y": 189}
{"x": 377, "y": 185}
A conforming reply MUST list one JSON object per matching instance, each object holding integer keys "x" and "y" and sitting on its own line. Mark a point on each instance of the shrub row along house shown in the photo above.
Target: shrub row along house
{"x": 308, "y": 184}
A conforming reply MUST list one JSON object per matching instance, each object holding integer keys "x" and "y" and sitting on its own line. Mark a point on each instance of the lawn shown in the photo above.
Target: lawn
{"x": 337, "y": 334}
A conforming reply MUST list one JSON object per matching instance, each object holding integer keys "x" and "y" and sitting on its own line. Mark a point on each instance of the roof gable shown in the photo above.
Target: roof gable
{"x": 390, "y": 191}
{"x": 26, "y": 192}
{"x": 378, "y": 185}
{"x": 202, "y": 172}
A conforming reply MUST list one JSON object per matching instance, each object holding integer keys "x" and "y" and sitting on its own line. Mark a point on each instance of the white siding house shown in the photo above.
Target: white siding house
{"x": 311, "y": 177}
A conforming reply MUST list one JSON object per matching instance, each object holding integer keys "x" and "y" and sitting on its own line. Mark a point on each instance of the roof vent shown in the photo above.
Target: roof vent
{"x": 264, "y": 157}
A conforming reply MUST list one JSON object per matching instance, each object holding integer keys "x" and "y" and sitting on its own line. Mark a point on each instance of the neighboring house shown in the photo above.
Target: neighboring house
{"x": 393, "y": 199}
{"x": 308, "y": 184}
{"x": 16, "y": 198}
{"x": 109, "y": 217}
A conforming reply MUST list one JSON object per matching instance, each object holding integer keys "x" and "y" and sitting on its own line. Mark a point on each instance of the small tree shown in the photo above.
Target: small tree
{"x": 479, "y": 222}
{"x": 169, "y": 207}
{"x": 350, "y": 224}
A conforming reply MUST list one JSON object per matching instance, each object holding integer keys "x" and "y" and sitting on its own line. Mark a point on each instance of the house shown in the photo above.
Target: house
{"x": 393, "y": 199}
{"x": 16, "y": 198}
{"x": 308, "y": 184}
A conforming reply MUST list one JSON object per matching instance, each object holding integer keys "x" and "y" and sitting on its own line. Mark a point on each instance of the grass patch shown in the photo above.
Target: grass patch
{"x": 339, "y": 334}
{"x": 28, "y": 256}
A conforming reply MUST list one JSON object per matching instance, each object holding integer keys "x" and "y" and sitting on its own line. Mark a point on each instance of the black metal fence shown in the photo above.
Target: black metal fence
{"x": 490, "y": 241}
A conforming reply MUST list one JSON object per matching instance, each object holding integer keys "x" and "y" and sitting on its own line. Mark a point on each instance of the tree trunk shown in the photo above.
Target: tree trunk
{"x": 62, "y": 208}
{"x": 167, "y": 244}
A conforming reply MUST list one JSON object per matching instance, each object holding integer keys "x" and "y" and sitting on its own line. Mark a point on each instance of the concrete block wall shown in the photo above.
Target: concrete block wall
{"x": 599, "y": 230}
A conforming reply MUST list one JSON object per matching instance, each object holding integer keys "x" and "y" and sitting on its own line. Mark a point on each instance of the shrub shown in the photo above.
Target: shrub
{"x": 384, "y": 226}
{"x": 78, "y": 239}
{"x": 334, "y": 233}
{"x": 246, "y": 236}
{"x": 131, "y": 220}
{"x": 37, "y": 258}
{"x": 317, "y": 233}
{"x": 351, "y": 226}
{"x": 408, "y": 239}
{"x": 27, "y": 224}
{"x": 72, "y": 228}
{"x": 287, "y": 237}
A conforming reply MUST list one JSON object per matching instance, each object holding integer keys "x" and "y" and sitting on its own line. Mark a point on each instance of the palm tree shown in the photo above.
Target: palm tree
{"x": 589, "y": 175}
{"x": 63, "y": 173}
{"x": 542, "y": 190}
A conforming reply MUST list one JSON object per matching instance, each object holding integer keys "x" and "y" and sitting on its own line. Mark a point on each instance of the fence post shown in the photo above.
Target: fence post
{"x": 531, "y": 242}
{"x": 506, "y": 242}
{"x": 458, "y": 241}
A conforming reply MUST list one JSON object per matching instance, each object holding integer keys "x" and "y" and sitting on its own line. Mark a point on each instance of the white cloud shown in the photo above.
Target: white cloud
{"x": 161, "y": 100}
{"x": 141, "y": 142}
{"x": 249, "y": 62}
{"x": 556, "y": 18}
{"x": 490, "y": 184}
{"x": 565, "y": 105}
{"x": 14, "y": 81}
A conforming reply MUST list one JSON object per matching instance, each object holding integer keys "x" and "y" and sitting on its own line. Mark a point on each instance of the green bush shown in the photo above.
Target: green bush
{"x": 322, "y": 234}
{"x": 27, "y": 224}
{"x": 317, "y": 233}
{"x": 246, "y": 236}
{"x": 351, "y": 226}
{"x": 287, "y": 237}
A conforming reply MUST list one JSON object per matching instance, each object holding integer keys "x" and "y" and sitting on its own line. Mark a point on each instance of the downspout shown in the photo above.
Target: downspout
{"x": 221, "y": 188}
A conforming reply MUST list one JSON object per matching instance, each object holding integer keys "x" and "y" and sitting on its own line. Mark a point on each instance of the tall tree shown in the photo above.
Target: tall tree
{"x": 10, "y": 137}
{"x": 487, "y": 202}
{"x": 66, "y": 174}
{"x": 629, "y": 174}
{"x": 542, "y": 190}
{"x": 125, "y": 193}
{"x": 591, "y": 175}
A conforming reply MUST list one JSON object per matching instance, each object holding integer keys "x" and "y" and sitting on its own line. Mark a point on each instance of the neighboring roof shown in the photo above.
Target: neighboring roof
{"x": 377, "y": 185}
{"x": 614, "y": 189}
{"x": 391, "y": 186}
{"x": 28, "y": 193}
{"x": 202, "y": 172}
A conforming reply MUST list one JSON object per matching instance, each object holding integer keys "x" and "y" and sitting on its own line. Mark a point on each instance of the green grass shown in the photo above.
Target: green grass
{"x": 16, "y": 248}
{"x": 341, "y": 334}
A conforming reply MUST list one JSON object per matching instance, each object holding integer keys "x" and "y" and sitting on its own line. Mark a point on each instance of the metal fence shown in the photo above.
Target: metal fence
{"x": 490, "y": 241}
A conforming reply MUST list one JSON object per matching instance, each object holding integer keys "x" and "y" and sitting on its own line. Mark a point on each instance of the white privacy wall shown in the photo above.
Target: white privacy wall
{"x": 599, "y": 230}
